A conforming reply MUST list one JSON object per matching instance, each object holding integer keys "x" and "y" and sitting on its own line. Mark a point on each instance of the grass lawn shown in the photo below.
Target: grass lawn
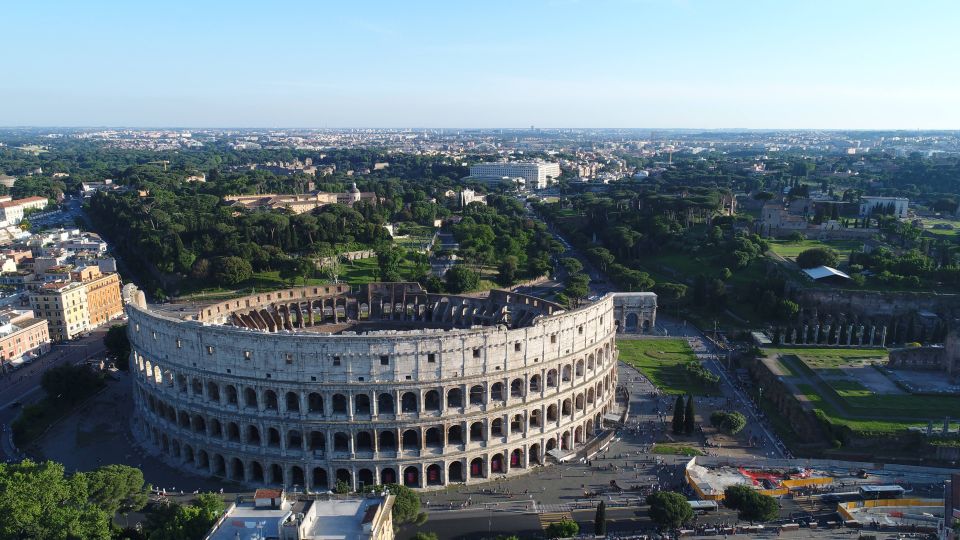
{"x": 863, "y": 410}
{"x": 789, "y": 249}
{"x": 662, "y": 361}
{"x": 928, "y": 223}
{"x": 675, "y": 449}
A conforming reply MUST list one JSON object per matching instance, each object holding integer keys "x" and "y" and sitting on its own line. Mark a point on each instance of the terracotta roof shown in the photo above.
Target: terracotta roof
{"x": 267, "y": 493}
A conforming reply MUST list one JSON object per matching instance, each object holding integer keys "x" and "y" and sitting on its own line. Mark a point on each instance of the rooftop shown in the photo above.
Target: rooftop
{"x": 246, "y": 522}
{"x": 821, "y": 272}
{"x": 341, "y": 519}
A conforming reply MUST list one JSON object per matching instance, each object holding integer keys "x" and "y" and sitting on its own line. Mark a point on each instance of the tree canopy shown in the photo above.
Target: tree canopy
{"x": 669, "y": 509}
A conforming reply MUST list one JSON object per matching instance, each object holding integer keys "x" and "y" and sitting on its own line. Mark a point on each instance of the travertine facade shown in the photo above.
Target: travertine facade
{"x": 313, "y": 385}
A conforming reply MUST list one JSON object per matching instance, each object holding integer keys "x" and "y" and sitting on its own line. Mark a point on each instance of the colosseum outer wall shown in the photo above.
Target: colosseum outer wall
{"x": 422, "y": 407}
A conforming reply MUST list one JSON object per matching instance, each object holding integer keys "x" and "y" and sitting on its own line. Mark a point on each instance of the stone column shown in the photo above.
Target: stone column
{"x": 873, "y": 330}
{"x": 816, "y": 334}
{"x": 883, "y": 336}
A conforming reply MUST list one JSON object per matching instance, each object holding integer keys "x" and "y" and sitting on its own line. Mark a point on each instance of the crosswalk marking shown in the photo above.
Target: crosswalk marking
{"x": 548, "y": 518}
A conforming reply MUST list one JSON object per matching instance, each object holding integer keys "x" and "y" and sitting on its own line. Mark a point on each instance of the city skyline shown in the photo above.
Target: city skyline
{"x": 614, "y": 64}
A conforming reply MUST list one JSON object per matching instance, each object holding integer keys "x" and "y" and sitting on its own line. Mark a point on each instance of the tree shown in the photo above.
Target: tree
{"x": 750, "y": 504}
{"x": 342, "y": 487}
{"x": 813, "y": 257}
{"x": 406, "y": 505}
{"x": 678, "y": 423}
{"x": 600, "y": 520}
{"x": 388, "y": 260}
{"x": 69, "y": 384}
{"x": 118, "y": 346}
{"x": 231, "y": 270}
{"x": 117, "y": 488}
{"x": 461, "y": 279}
{"x": 689, "y": 417}
{"x": 571, "y": 265}
{"x": 425, "y": 536}
{"x": 507, "y": 270}
{"x": 669, "y": 509}
{"x": 564, "y": 528}
{"x": 178, "y": 522}
{"x": 728, "y": 421}
{"x": 578, "y": 287}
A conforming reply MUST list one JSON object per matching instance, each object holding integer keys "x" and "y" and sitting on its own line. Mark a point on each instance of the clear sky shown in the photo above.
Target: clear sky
{"x": 484, "y": 63}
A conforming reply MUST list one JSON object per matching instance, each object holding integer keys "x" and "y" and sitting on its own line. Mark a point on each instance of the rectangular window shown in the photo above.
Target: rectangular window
{"x": 384, "y": 360}
{"x": 476, "y": 353}
{"x": 580, "y": 330}
{"x": 553, "y": 338}
{"x": 431, "y": 358}
{"x": 336, "y": 360}
{"x": 247, "y": 354}
{"x": 289, "y": 358}
{"x": 516, "y": 347}
{"x": 209, "y": 349}
{"x": 179, "y": 344}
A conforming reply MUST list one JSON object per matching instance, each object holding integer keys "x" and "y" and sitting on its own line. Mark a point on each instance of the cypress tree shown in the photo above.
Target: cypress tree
{"x": 600, "y": 520}
{"x": 689, "y": 417}
{"x": 678, "y": 416}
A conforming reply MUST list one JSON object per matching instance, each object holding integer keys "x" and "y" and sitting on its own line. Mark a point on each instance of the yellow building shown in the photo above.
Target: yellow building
{"x": 103, "y": 298}
{"x": 64, "y": 306}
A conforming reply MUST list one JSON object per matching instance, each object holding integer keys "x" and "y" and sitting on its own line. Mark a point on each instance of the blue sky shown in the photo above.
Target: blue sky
{"x": 560, "y": 63}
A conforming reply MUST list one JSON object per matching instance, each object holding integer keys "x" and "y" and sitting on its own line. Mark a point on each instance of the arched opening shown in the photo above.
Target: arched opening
{"x": 408, "y": 402}
{"x": 579, "y": 368}
{"x": 276, "y": 474}
{"x": 256, "y": 472}
{"x": 567, "y": 373}
{"x": 364, "y": 478}
{"x": 253, "y": 435}
{"x": 496, "y": 391}
{"x": 339, "y": 404}
{"x": 199, "y": 424}
{"x": 411, "y": 477}
{"x": 364, "y": 441}
{"x": 388, "y": 441}
{"x": 552, "y": 378}
{"x": 566, "y": 407}
{"x": 203, "y": 460}
{"x": 294, "y": 440}
{"x": 219, "y": 467}
{"x": 454, "y": 398}
{"x": 431, "y": 401}
{"x": 455, "y": 472}
{"x": 476, "y": 395}
{"x": 188, "y": 454}
{"x": 411, "y": 440}
{"x": 535, "y": 420}
{"x": 433, "y": 437}
{"x": 388, "y": 476}
{"x": 590, "y": 363}
{"x": 565, "y": 441}
{"x": 633, "y": 321}
{"x": 296, "y": 476}
{"x": 551, "y": 444}
{"x": 535, "y": 383}
{"x": 496, "y": 463}
{"x": 578, "y": 435}
{"x": 236, "y": 469}
{"x": 184, "y": 419}
{"x": 590, "y": 396}
{"x": 182, "y": 384}
{"x": 535, "y": 454}
{"x": 213, "y": 392}
{"x": 434, "y": 476}
{"x": 552, "y": 413}
{"x": 315, "y": 403}
{"x": 455, "y": 435}
{"x": 516, "y": 424}
{"x": 385, "y": 404}
{"x": 341, "y": 442}
{"x": 197, "y": 387}
{"x": 476, "y": 468}
{"x": 320, "y": 479}
{"x": 578, "y": 403}
{"x": 516, "y": 459}
{"x": 516, "y": 388}
{"x": 273, "y": 437}
{"x": 496, "y": 427}
{"x": 362, "y": 404}
{"x": 233, "y": 432}
{"x": 343, "y": 475}
{"x": 270, "y": 401}
{"x": 476, "y": 432}
{"x": 293, "y": 402}
{"x": 250, "y": 397}
{"x": 318, "y": 442}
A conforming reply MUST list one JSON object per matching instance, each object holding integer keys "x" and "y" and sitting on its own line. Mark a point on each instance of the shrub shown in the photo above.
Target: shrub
{"x": 728, "y": 421}
{"x": 563, "y": 529}
{"x": 813, "y": 257}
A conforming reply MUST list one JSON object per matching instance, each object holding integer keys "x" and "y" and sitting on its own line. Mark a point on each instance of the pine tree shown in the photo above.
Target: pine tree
{"x": 689, "y": 417}
{"x": 600, "y": 520}
{"x": 678, "y": 416}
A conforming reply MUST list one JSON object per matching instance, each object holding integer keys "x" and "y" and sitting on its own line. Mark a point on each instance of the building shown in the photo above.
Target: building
{"x": 827, "y": 274}
{"x": 64, "y": 306}
{"x": 895, "y": 206}
{"x": 274, "y": 514}
{"x": 85, "y": 299}
{"x": 385, "y": 384}
{"x": 11, "y": 212}
{"x": 536, "y": 174}
{"x": 300, "y": 204}
{"x": 467, "y": 196}
{"x": 22, "y": 336}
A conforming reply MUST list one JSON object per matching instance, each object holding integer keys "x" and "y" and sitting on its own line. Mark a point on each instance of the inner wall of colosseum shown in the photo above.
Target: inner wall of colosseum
{"x": 487, "y": 395}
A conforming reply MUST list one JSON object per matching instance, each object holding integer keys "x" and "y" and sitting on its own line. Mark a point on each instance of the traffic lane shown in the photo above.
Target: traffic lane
{"x": 476, "y": 524}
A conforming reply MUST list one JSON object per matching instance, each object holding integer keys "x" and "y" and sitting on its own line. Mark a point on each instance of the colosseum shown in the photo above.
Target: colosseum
{"x": 386, "y": 383}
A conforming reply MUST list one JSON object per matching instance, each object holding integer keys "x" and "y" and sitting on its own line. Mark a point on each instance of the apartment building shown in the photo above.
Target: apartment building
{"x": 11, "y": 211}
{"x": 103, "y": 298}
{"x": 535, "y": 174}
{"x": 73, "y": 307}
{"x": 22, "y": 335}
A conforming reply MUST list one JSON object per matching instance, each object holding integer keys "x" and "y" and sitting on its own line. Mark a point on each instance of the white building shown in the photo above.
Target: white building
{"x": 868, "y": 204}
{"x": 536, "y": 174}
{"x": 12, "y": 212}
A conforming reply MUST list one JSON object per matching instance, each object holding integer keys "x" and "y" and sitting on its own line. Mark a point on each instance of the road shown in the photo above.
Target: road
{"x": 22, "y": 387}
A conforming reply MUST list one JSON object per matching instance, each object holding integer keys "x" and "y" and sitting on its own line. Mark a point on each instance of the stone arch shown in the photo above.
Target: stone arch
{"x": 476, "y": 468}
{"x": 343, "y": 475}
{"x": 552, "y": 378}
{"x": 552, "y": 413}
{"x": 294, "y": 440}
{"x": 385, "y": 404}
{"x": 535, "y": 420}
{"x": 434, "y": 475}
{"x": 341, "y": 442}
{"x": 431, "y": 400}
{"x": 388, "y": 476}
{"x": 578, "y": 368}
{"x": 476, "y": 395}
{"x": 535, "y": 383}
{"x": 250, "y": 397}
{"x": 188, "y": 455}
{"x": 516, "y": 424}
{"x": 199, "y": 424}
{"x": 339, "y": 404}
{"x": 551, "y": 444}
{"x": 411, "y": 477}
{"x": 454, "y": 398}
{"x": 213, "y": 392}
{"x": 232, "y": 397}
{"x": 496, "y": 427}
{"x": 535, "y": 453}
{"x": 318, "y": 441}
{"x": 632, "y": 322}
{"x": 361, "y": 404}
{"x": 196, "y": 386}
{"x": 496, "y": 392}
{"x": 411, "y": 440}
{"x": 276, "y": 474}
{"x": 476, "y": 432}
{"x": 233, "y": 432}
{"x": 565, "y": 440}
{"x": 455, "y": 434}
{"x": 363, "y": 441}
{"x": 184, "y": 419}
{"x": 516, "y": 388}
{"x": 387, "y": 441}
{"x": 455, "y": 471}
{"x": 496, "y": 463}
{"x": 237, "y": 470}
{"x": 566, "y": 374}
{"x": 292, "y": 402}
{"x": 203, "y": 460}
{"x": 408, "y": 402}
{"x": 516, "y": 458}
{"x": 218, "y": 467}
{"x": 252, "y": 435}
{"x": 364, "y": 478}
{"x": 314, "y": 403}
{"x": 590, "y": 362}
{"x": 566, "y": 407}
{"x": 273, "y": 437}
{"x": 578, "y": 435}
{"x": 256, "y": 472}
{"x": 320, "y": 478}
{"x": 182, "y": 383}
{"x": 578, "y": 402}
{"x": 590, "y": 396}
{"x": 433, "y": 437}
{"x": 296, "y": 476}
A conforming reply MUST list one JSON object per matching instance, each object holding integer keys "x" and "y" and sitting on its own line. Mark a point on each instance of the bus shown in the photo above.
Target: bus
{"x": 703, "y": 506}
{"x": 881, "y": 492}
